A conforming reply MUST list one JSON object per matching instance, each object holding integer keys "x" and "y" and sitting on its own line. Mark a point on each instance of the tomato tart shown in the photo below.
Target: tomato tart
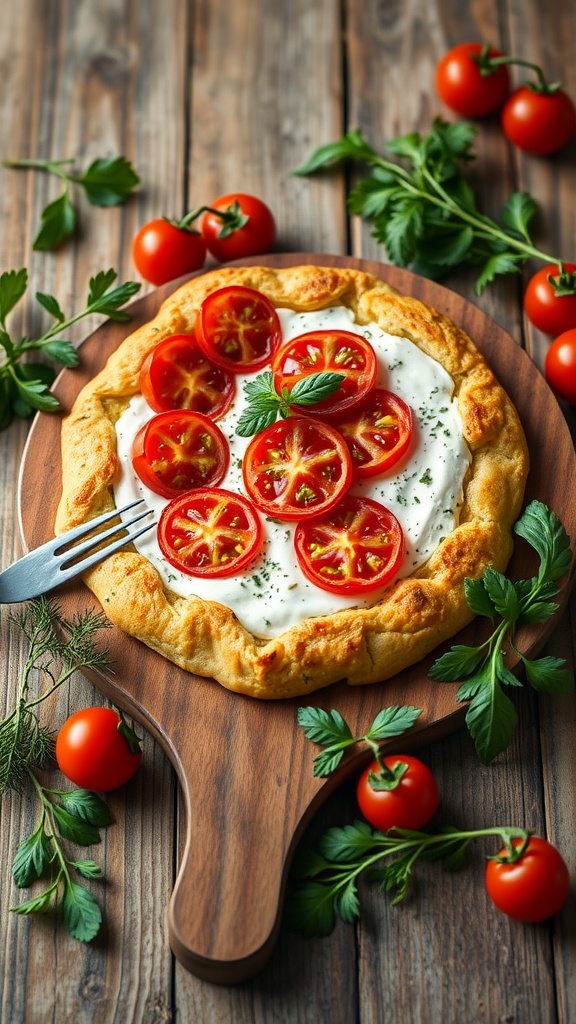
{"x": 325, "y": 460}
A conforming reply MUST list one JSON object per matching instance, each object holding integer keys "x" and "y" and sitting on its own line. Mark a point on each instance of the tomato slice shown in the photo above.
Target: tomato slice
{"x": 177, "y": 374}
{"x": 210, "y": 532}
{"x": 176, "y": 451}
{"x": 328, "y": 351}
{"x": 355, "y": 548}
{"x": 238, "y": 328}
{"x": 378, "y": 433}
{"x": 297, "y": 467}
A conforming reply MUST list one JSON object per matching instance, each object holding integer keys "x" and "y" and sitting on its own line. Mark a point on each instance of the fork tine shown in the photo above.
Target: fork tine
{"x": 66, "y": 571}
{"x": 67, "y": 557}
{"x": 87, "y": 527}
{"x": 49, "y": 565}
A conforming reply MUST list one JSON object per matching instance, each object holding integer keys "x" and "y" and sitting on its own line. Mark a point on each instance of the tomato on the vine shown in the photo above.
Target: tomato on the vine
{"x": 238, "y": 328}
{"x": 177, "y": 374}
{"x": 247, "y": 227}
{"x": 551, "y": 313}
{"x": 355, "y": 548}
{"x": 162, "y": 251}
{"x": 327, "y": 351}
{"x": 297, "y": 467}
{"x": 378, "y": 432}
{"x": 539, "y": 122}
{"x": 97, "y": 750}
{"x": 462, "y": 86}
{"x": 404, "y": 795}
{"x": 560, "y": 366}
{"x": 532, "y": 888}
{"x": 178, "y": 450}
{"x": 210, "y": 532}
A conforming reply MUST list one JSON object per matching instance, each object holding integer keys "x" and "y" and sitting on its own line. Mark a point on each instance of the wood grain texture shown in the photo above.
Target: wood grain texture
{"x": 127, "y": 75}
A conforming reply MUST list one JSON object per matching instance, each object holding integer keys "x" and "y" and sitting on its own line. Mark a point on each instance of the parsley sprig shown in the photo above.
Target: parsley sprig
{"x": 327, "y": 877}
{"x": 57, "y": 647}
{"x": 329, "y": 730}
{"x": 491, "y": 716}
{"x": 265, "y": 404}
{"x": 24, "y": 384}
{"x": 106, "y": 182}
{"x": 426, "y": 213}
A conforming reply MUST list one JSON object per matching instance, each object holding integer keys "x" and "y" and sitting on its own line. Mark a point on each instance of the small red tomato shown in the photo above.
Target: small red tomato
{"x": 539, "y": 122}
{"x": 461, "y": 85}
{"x": 532, "y": 888}
{"x": 96, "y": 749}
{"x": 162, "y": 251}
{"x": 560, "y": 366}
{"x": 247, "y": 227}
{"x": 408, "y": 798}
{"x": 551, "y": 313}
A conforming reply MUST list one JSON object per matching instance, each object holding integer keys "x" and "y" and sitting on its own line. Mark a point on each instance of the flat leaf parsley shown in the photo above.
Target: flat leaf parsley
{"x": 491, "y": 716}
{"x": 24, "y": 385}
{"x": 426, "y": 213}
{"x": 107, "y": 181}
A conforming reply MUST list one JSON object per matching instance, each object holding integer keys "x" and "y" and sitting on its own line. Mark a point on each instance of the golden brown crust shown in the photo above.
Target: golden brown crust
{"x": 359, "y": 645}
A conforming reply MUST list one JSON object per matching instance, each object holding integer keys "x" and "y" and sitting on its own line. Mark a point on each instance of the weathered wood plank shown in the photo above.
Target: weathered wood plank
{"x": 99, "y": 85}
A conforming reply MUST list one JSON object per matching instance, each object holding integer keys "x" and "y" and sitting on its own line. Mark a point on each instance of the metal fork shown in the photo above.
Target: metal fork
{"x": 56, "y": 561}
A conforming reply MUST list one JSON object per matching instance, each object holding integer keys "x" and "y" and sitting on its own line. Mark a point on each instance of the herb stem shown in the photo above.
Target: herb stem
{"x": 480, "y": 222}
{"x": 50, "y": 166}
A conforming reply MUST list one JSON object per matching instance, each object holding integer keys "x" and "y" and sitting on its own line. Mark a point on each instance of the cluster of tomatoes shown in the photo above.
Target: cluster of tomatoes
{"x": 473, "y": 80}
{"x": 232, "y": 227}
{"x": 297, "y": 469}
{"x": 539, "y": 118}
{"x": 400, "y": 791}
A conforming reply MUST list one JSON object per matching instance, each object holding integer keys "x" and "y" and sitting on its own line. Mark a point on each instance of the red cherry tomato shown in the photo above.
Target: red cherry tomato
{"x": 412, "y": 800}
{"x": 238, "y": 328}
{"x": 179, "y": 450}
{"x": 355, "y": 548}
{"x": 327, "y": 351}
{"x": 560, "y": 366}
{"x": 551, "y": 313}
{"x": 462, "y": 87}
{"x": 178, "y": 375}
{"x": 210, "y": 532}
{"x": 296, "y": 468}
{"x": 538, "y": 122}
{"x": 92, "y": 750}
{"x": 248, "y": 229}
{"x": 161, "y": 251}
{"x": 532, "y": 888}
{"x": 378, "y": 433}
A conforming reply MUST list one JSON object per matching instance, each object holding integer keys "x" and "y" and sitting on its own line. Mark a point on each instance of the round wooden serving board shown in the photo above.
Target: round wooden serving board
{"x": 225, "y": 909}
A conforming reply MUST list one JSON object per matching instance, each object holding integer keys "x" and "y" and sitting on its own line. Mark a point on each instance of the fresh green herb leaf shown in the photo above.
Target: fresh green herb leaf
{"x": 51, "y": 305}
{"x": 32, "y": 858}
{"x": 86, "y": 806}
{"x": 13, "y": 284}
{"x": 108, "y": 182}
{"x": 424, "y": 211}
{"x": 329, "y": 730}
{"x": 58, "y": 222}
{"x": 491, "y": 717}
{"x": 325, "y": 880}
{"x": 265, "y": 404}
{"x": 87, "y": 868}
{"x": 80, "y": 911}
{"x": 24, "y": 386}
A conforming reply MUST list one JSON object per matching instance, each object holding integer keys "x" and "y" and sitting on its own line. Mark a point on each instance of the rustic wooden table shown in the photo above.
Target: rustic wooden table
{"x": 206, "y": 97}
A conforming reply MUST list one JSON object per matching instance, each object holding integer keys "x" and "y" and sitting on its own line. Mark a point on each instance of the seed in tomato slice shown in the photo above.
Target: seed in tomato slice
{"x": 355, "y": 548}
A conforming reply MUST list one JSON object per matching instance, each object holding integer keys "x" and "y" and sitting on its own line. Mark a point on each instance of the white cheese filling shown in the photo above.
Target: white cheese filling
{"x": 424, "y": 490}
